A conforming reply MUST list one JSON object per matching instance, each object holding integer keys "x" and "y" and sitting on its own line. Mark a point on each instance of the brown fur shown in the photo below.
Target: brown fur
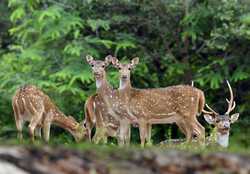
{"x": 90, "y": 117}
{"x": 32, "y": 105}
{"x": 96, "y": 113}
{"x": 175, "y": 104}
{"x": 109, "y": 104}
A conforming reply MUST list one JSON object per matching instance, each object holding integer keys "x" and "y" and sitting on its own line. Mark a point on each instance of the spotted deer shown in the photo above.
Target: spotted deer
{"x": 109, "y": 104}
{"x": 175, "y": 104}
{"x": 222, "y": 122}
{"x": 96, "y": 114}
{"x": 31, "y": 105}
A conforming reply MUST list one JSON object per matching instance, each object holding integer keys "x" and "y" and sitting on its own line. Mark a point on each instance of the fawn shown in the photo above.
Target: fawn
{"x": 175, "y": 104}
{"x": 30, "y": 104}
{"x": 96, "y": 114}
{"x": 222, "y": 122}
{"x": 110, "y": 103}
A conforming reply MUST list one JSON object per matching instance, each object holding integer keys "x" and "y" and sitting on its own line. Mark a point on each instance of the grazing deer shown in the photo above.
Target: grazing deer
{"x": 175, "y": 104}
{"x": 97, "y": 114}
{"x": 30, "y": 104}
{"x": 222, "y": 122}
{"x": 110, "y": 103}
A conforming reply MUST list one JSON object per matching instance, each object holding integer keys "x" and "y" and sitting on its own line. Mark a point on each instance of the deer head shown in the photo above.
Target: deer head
{"x": 78, "y": 131}
{"x": 98, "y": 66}
{"x": 124, "y": 69}
{"x": 222, "y": 121}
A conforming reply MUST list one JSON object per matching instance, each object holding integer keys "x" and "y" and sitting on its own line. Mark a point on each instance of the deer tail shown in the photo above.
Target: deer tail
{"x": 201, "y": 102}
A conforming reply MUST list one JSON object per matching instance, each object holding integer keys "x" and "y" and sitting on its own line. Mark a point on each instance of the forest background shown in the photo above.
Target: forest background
{"x": 44, "y": 42}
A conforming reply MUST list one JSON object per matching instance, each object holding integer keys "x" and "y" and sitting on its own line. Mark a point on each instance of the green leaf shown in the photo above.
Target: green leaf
{"x": 98, "y": 23}
{"x": 17, "y": 14}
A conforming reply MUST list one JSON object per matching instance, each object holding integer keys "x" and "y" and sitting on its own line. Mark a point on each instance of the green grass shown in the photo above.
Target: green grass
{"x": 109, "y": 148}
{"x": 239, "y": 143}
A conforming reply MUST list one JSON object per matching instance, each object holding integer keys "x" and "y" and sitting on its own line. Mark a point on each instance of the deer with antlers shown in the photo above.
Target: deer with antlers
{"x": 222, "y": 122}
{"x": 175, "y": 104}
{"x": 31, "y": 105}
{"x": 107, "y": 103}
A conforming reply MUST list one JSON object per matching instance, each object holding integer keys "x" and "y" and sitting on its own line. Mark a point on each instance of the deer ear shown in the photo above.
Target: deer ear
{"x": 209, "y": 119}
{"x": 234, "y": 117}
{"x": 108, "y": 60}
{"x": 115, "y": 62}
{"x": 134, "y": 61}
{"x": 89, "y": 59}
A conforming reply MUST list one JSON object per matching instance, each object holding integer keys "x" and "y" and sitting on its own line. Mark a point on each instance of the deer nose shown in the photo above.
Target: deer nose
{"x": 96, "y": 73}
{"x": 124, "y": 76}
{"x": 227, "y": 125}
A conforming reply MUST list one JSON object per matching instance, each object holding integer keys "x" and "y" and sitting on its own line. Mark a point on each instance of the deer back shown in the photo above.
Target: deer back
{"x": 28, "y": 101}
{"x": 164, "y": 102}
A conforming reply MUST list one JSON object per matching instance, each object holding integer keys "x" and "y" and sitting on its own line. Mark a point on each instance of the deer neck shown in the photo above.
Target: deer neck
{"x": 222, "y": 139}
{"x": 125, "y": 89}
{"x": 102, "y": 85}
{"x": 107, "y": 94}
{"x": 125, "y": 84}
{"x": 66, "y": 123}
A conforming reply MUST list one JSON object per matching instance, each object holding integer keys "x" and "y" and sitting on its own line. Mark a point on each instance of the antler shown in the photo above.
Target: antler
{"x": 234, "y": 104}
{"x": 209, "y": 112}
{"x": 231, "y": 103}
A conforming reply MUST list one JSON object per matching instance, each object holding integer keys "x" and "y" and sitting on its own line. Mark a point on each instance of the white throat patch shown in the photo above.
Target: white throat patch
{"x": 98, "y": 83}
{"x": 223, "y": 139}
{"x": 122, "y": 84}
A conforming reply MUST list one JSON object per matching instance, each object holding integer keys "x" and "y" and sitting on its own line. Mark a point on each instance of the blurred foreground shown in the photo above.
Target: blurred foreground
{"x": 105, "y": 160}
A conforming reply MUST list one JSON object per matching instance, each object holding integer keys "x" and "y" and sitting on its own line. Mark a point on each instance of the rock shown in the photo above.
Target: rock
{"x": 8, "y": 168}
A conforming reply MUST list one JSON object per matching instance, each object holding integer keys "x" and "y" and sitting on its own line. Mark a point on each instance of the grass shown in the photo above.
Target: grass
{"x": 113, "y": 148}
{"x": 238, "y": 143}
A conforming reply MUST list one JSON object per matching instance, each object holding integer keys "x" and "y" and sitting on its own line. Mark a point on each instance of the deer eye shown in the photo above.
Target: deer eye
{"x": 129, "y": 68}
{"x": 92, "y": 65}
{"x": 119, "y": 68}
{"x": 103, "y": 66}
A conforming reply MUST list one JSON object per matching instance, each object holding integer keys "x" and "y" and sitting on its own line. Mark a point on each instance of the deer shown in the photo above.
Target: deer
{"x": 222, "y": 122}
{"x": 96, "y": 114}
{"x": 32, "y": 105}
{"x": 175, "y": 104}
{"x": 110, "y": 103}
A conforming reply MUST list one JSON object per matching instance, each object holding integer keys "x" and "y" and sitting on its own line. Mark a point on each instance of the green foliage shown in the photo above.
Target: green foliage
{"x": 45, "y": 42}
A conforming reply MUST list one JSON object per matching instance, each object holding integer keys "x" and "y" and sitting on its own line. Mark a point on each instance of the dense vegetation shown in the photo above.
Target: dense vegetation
{"x": 207, "y": 41}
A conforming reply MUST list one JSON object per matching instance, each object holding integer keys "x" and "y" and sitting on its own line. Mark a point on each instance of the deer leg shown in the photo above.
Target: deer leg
{"x": 38, "y": 132}
{"x": 201, "y": 135}
{"x": 142, "y": 130}
{"x": 128, "y": 134}
{"x": 123, "y": 132}
{"x": 97, "y": 136}
{"x": 46, "y": 131}
{"x": 100, "y": 135}
{"x": 19, "y": 126}
{"x": 195, "y": 128}
{"x": 181, "y": 126}
{"x": 187, "y": 128}
{"x": 89, "y": 133}
{"x": 19, "y": 121}
{"x": 33, "y": 124}
{"x": 148, "y": 138}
